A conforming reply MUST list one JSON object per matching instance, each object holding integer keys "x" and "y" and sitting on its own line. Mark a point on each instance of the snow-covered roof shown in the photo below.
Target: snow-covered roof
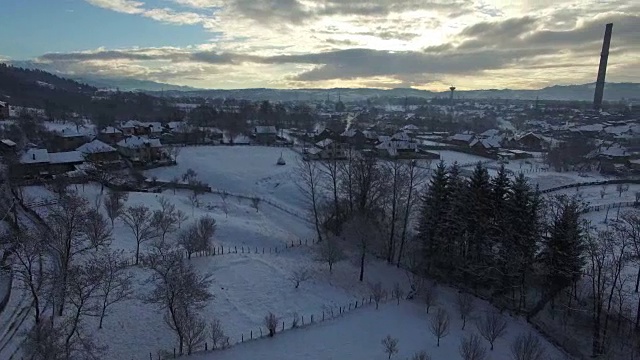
{"x": 265, "y": 130}
{"x": 314, "y": 151}
{"x": 131, "y": 124}
{"x": 410, "y": 127}
{"x": 401, "y": 136}
{"x": 8, "y": 142}
{"x": 110, "y": 130}
{"x": 588, "y": 128}
{"x": 96, "y": 146}
{"x": 614, "y": 151}
{"x": 155, "y": 126}
{"x": 66, "y": 157}
{"x": 350, "y": 133}
{"x": 35, "y": 156}
{"x": 68, "y": 132}
{"x": 490, "y": 133}
{"x": 135, "y": 142}
{"x": 324, "y": 143}
{"x": 489, "y": 143}
{"x": 462, "y": 137}
{"x": 241, "y": 139}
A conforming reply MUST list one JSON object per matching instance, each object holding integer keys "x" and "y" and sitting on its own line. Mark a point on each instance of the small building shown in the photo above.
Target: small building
{"x": 634, "y": 164}
{"x": 140, "y": 148}
{"x": 99, "y": 152}
{"x": 4, "y": 110}
{"x": 67, "y": 140}
{"x": 7, "y": 146}
{"x": 110, "y": 135}
{"x": 463, "y": 139}
{"x": 328, "y": 149}
{"x": 355, "y": 138}
{"x": 33, "y": 163}
{"x": 485, "y": 146}
{"x": 265, "y": 135}
{"x": 62, "y": 162}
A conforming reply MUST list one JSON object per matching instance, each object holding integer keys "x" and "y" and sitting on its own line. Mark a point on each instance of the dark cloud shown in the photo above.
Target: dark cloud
{"x": 138, "y": 55}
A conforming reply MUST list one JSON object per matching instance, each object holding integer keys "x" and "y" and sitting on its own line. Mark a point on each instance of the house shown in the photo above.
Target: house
{"x": 99, "y": 152}
{"x": 67, "y": 139}
{"x": 328, "y": 149}
{"x": 140, "y": 148}
{"x": 634, "y": 164}
{"x": 131, "y": 127}
{"x": 485, "y": 146}
{"x": 395, "y": 147}
{"x": 530, "y": 141}
{"x": 62, "y": 162}
{"x": 463, "y": 139}
{"x": 4, "y": 110}
{"x": 354, "y": 137}
{"x": 265, "y": 135}
{"x": 33, "y": 163}
{"x": 7, "y": 146}
{"x": 110, "y": 135}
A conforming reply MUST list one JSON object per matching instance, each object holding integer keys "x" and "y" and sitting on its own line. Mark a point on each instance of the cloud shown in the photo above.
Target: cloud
{"x": 122, "y": 6}
{"x": 165, "y": 15}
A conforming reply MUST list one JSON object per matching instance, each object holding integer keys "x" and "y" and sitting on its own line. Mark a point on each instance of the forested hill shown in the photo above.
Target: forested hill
{"x": 60, "y": 97}
{"x": 40, "y": 89}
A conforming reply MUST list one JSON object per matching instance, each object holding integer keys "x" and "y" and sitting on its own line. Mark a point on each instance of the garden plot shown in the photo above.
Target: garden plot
{"x": 599, "y": 195}
{"x": 248, "y": 170}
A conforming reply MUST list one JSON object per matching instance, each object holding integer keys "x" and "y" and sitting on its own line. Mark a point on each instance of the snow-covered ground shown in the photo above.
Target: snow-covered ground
{"x": 248, "y": 286}
{"x": 250, "y": 170}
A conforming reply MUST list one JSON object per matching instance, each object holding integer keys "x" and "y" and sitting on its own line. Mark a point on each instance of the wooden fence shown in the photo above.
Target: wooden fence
{"x": 591, "y": 183}
{"x": 305, "y": 320}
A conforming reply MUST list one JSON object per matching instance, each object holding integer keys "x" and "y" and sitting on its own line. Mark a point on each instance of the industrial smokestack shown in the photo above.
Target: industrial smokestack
{"x": 602, "y": 70}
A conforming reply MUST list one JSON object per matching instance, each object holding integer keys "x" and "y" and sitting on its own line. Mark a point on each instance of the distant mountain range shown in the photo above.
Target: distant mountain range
{"x": 584, "y": 92}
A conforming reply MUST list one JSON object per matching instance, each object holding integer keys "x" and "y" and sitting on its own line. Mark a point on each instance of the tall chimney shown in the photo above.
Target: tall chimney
{"x": 452, "y": 88}
{"x": 602, "y": 70}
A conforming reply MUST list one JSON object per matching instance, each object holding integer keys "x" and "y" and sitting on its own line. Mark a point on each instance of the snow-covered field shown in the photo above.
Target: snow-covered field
{"x": 248, "y": 286}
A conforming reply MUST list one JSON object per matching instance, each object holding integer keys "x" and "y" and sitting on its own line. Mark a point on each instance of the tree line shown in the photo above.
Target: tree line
{"x": 496, "y": 237}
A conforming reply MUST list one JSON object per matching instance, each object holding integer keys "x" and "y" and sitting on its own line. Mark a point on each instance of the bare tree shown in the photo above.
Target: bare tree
{"x": 189, "y": 176}
{"x": 603, "y": 191}
{"x": 396, "y": 186}
{"x": 637, "y": 197}
{"x": 197, "y": 237}
{"x": 195, "y": 331}
{"x": 65, "y": 236}
{"x": 415, "y": 177}
{"x": 164, "y": 220}
{"x": 29, "y": 269}
{"x": 465, "y": 305}
{"x": 390, "y": 346}
{"x": 309, "y": 185}
{"x": 430, "y": 296}
{"x": 181, "y": 217}
{"x": 178, "y": 289}
{"x": 527, "y": 347}
{"x": 255, "y": 203}
{"x": 606, "y": 260}
{"x": 114, "y": 204}
{"x": 416, "y": 281}
{"x": 138, "y": 219}
{"x": 361, "y": 231}
{"x": 397, "y": 292}
{"x": 299, "y": 276}
{"x": 330, "y": 252}
{"x": 377, "y": 293}
{"x": 174, "y": 183}
{"x": 194, "y": 200}
{"x": 115, "y": 281}
{"x": 271, "y": 323}
{"x": 492, "y": 326}
{"x": 218, "y": 339}
{"x": 421, "y": 355}
{"x": 96, "y": 229}
{"x": 471, "y": 348}
{"x": 620, "y": 188}
{"x": 295, "y": 321}
{"x": 440, "y": 324}
{"x": 173, "y": 152}
{"x": 225, "y": 206}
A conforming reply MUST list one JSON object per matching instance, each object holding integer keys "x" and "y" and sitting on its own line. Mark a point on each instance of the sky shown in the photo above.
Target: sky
{"x": 424, "y": 44}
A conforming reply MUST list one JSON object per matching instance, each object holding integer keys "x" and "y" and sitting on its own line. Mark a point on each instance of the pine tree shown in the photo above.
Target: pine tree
{"x": 432, "y": 218}
{"x": 479, "y": 255}
{"x": 522, "y": 235}
{"x": 564, "y": 248}
{"x": 500, "y": 227}
{"x": 454, "y": 226}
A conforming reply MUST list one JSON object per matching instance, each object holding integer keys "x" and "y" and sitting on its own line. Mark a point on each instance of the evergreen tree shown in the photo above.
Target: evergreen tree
{"x": 432, "y": 218}
{"x": 564, "y": 247}
{"x": 500, "y": 227}
{"x": 454, "y": 226}
{"x": 479, "y": 255}
{"x": 522, "y": 236}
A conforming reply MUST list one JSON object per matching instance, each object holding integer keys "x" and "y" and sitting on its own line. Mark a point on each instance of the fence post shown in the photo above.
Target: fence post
{"x": 260, "y": 332}
{"x": 150, "y": 356}
{"x": 263, "y": 250}
{"x": 205, "y": 346}
{"x": 241, "y": 337}
{"x": 236, "y": 248}
{"x": 256, "y": 249}
{"x": 322, "y": 315}
{"x": 242, "y": 248}
{"x": 356, "y": 304}
{"x": 300, "y": 240}
{"x": 251, "y": 334}
{"x": 312, "y": 318}
{"x": 302, "y": 319}
{"x": 283, "y": 326}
